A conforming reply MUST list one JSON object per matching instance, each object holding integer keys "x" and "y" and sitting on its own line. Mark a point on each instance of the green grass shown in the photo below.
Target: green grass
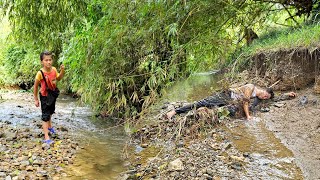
{"x": 306, "y": 37}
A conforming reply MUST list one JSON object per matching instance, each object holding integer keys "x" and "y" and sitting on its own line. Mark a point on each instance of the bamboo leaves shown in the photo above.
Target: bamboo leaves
{"x": 120, "y": 54}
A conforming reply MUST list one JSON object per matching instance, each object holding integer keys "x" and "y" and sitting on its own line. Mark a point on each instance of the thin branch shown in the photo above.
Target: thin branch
{"x": 269, "y": 1}
{"x": 282, "y": 24}
{"x": 291, "y": 15}
{"x": 189, "y": 14}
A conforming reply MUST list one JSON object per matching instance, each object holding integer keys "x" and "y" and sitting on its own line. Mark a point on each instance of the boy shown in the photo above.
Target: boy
{"x": 51, "y": 77}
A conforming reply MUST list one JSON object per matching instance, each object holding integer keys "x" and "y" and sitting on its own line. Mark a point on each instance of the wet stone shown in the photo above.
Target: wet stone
{"x": 144, "y": 145}
{"x": 206, "y": 176}
{"x": 246, "y": 154}
{"x": 2, "y": 174}
{"x": 236, "y": 166}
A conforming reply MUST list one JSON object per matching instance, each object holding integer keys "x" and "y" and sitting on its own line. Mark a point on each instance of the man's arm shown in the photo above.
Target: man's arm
{"x": 35, "y": 92}
{"x": 285, "y": 96}
{"x": 246, "y": 100}
{"x": 171, "y": 113}
{"x": 246, "y": 109}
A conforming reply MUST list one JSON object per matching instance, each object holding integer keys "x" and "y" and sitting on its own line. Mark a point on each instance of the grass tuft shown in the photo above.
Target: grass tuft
{"x": 307, "y": 37}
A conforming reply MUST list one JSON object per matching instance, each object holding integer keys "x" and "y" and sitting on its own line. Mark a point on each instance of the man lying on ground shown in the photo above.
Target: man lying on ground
{"x": 234, "y": 96}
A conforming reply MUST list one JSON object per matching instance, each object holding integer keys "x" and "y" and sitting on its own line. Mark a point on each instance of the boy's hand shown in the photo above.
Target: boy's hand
{"x": 61, "y": 67}
{"x": 36, "y": 102}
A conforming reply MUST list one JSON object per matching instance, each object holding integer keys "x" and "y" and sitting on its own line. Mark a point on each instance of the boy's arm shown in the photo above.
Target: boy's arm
{"x": 61, "y": 74}
{"x": 35, "y": 92}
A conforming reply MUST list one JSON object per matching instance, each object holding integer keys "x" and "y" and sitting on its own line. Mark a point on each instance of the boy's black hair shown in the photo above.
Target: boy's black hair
{"x": 45, "y": 53}
{"x": 270, "y": 91}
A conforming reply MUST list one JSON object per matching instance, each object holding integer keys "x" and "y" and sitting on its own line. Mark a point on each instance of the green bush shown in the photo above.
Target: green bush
{"x": 20, "y": 65}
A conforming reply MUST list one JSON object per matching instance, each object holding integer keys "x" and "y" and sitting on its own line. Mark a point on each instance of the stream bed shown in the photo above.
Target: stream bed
{"x": 102, "y": 143}
{"x": 100, "y": 140}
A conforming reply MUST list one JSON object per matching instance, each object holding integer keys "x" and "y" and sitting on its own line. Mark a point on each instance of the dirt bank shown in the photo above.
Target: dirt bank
{"x": 295, "y": 68}
{"x": 297, "y": 125}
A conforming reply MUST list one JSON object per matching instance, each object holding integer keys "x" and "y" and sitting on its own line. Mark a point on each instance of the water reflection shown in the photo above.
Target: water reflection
{"x": 196, "y": 87}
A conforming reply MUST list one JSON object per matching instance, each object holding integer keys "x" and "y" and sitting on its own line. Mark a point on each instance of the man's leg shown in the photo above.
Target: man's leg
{"x": 218, "y": 99}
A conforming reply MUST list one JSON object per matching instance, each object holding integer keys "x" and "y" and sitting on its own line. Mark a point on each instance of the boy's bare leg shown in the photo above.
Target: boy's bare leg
{"x": 50, "y": 123}
{"x": 45, "y": 126}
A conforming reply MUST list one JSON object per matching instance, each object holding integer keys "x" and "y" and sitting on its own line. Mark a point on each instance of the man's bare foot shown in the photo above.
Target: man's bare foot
{"x": 170, "y": 114}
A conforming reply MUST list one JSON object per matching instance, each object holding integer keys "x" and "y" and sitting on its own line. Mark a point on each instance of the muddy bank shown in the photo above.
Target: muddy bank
{"x": 282, "y": 143}
{"x": 205, "y": 145}
{"x": 297, "y": 125}
{"x": 295, "y": 68}
{"x": 297, "y": 122}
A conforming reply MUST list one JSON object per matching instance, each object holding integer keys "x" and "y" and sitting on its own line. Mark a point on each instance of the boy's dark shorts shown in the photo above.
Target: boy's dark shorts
{"x": 46, "y": 110}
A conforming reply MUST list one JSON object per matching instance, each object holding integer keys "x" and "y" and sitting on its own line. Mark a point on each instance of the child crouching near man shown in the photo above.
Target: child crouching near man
{"x": 51, "y": 77}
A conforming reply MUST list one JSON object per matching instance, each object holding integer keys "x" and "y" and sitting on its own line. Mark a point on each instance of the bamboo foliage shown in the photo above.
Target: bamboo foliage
{"x": 120, "y": 54}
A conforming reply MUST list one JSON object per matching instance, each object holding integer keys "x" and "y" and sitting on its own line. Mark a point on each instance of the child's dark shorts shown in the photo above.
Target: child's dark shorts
{"x": 46, "y": 110}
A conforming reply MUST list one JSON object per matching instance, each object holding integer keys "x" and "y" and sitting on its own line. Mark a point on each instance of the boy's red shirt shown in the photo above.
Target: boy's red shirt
{"x": 51, "y": 78}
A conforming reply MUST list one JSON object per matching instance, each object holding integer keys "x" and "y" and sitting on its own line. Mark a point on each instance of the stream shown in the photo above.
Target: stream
{"x": 101, "y": 146}
{"x": 102, "y": 142}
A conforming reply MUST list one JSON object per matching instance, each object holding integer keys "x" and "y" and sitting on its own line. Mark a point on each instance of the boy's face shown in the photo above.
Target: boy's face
{"x": 47, "y": 61}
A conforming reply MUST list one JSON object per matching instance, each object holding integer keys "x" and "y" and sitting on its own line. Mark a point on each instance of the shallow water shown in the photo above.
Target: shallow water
{"x": 102, "y": 144}
{"x": 269, "y": 158}
{"x": 100, "y": 157}
{"x": 194, "y": 88}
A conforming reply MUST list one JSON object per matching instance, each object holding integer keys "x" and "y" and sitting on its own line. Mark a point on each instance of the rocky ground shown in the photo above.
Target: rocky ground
{"x": 206, "y": 145}
{"x": 22, "y": 153}
{"x": 199, "y": 145}
{"x": 24, "y": 156}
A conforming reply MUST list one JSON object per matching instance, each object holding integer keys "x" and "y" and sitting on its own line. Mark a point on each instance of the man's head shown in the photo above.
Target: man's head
{"x": 266, "y": 94}
{"x": 46, "y": 59}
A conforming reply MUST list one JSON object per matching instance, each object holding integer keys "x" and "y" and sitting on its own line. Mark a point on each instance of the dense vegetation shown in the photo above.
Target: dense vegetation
{"x": 120, "y": 54}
